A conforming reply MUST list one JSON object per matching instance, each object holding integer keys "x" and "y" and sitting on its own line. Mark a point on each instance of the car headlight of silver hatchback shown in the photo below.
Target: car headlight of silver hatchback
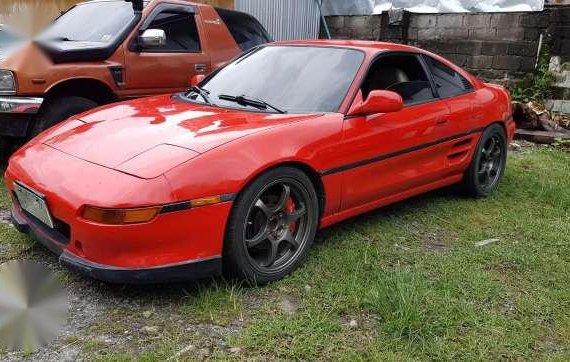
{"x": 7, "y": 82}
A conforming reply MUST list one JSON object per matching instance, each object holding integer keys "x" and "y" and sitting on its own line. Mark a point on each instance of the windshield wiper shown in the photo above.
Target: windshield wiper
{"x": 201, "y": 92}
{"x": 250, "y": 101}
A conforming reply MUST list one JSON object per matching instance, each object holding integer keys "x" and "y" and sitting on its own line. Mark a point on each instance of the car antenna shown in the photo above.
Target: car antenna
{"x": 138, "y": 5}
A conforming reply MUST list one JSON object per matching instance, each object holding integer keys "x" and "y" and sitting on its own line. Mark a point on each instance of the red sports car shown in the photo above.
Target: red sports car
{"x": 237, "y": 174}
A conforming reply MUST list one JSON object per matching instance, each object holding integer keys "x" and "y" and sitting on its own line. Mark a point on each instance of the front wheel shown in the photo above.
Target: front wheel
{"x": 272, "y": 226}
{"x": 4, "y": 149}
{"x": 488, "y": 164}
{"x": 59, "y": 109}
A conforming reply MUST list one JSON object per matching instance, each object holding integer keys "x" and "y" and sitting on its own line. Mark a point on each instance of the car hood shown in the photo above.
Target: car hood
{"x": 147, "y": 137}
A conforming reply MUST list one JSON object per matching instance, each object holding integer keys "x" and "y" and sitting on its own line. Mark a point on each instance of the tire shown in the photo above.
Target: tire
{"x": 7, "y": 146}
{"x": 60, "y": 109}
{"x": 4, "y": 150}
{"x": 488, "y": 163}
{"x": 271, "y": 230}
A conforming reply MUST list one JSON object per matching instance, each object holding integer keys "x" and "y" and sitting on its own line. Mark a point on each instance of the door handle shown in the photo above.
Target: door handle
{"x": 200, "y": 68}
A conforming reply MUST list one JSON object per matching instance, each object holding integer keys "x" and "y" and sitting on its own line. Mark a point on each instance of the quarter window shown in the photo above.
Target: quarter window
{"x": 181, "y": 32}
{"x": 449, "y": 83}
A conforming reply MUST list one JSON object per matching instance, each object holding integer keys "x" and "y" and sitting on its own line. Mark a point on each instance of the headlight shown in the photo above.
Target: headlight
{"x": 7, "y": 82}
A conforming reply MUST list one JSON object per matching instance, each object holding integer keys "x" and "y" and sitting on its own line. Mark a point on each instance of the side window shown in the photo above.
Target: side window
{"x": 449, "y": 83}
{"x": 245, "y": 29}
{"x": 181, "y": 32}
{"x": 402, "y": 74}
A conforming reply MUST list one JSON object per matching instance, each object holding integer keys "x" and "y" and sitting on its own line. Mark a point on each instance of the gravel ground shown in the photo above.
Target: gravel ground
{"x": 4, "y": 216}
{"x": 128, "y": 319}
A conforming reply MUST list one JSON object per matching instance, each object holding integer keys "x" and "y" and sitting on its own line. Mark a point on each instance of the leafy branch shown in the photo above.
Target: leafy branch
{"x": 537, "y": 87}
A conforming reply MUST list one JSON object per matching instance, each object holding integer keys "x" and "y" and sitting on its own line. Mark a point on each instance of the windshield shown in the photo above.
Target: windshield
{"x": 100, "y": 22}
{"x": 295, "y": 79}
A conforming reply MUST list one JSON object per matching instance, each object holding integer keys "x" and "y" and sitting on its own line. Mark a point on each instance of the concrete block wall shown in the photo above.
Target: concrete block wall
{"x": 500, "y": 47}
{"x": 496, "y": 46}
{"x": 559, "y": 29}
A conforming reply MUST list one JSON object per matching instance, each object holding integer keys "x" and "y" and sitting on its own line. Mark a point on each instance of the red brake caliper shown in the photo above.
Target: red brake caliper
{"x": 290, "y": 209}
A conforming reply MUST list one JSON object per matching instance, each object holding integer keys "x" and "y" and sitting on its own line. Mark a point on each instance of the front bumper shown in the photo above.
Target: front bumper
{"x": 178, "y": 272}
{"x": 16, "y": 114}
{"x": 27, "y": 105}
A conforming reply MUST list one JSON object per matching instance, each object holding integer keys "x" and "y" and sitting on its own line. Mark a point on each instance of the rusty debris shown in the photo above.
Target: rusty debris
{"x": 533, "y": 116}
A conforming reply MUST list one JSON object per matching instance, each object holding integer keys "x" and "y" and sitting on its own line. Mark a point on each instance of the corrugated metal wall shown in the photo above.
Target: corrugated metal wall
{"x": 285, "y": 19}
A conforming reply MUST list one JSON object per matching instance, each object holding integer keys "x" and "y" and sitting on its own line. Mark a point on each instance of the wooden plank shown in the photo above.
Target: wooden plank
{"x": 540, "y": 136}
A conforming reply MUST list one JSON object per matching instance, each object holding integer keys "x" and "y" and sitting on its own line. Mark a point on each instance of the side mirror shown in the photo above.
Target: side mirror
{"x": 196, "y": 79}
{"x": 152, "y": 38}
{"x": 378, "y": 101}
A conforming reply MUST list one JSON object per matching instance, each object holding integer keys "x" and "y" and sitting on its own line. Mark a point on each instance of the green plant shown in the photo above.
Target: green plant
{"x": 537, "y": 87}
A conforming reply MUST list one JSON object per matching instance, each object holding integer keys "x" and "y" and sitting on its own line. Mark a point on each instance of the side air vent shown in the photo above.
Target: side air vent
{"x": 118, "y": 75}
{"x": 459, "y": 151}
{"x": 465, "y": 142}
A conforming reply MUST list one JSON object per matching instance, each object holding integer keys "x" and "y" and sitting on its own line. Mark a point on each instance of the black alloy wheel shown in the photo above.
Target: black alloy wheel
{"x": 272, "y": 226}
{"x": 488, "y": 163}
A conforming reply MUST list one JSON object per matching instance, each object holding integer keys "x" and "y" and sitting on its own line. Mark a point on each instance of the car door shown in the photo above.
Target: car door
{"x": 465, "y": 113}
{"x": 170, "y": 67}
{"x": 384, "y": 155}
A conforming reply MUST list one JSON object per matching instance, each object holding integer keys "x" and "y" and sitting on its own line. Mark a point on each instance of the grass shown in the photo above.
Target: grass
{"x": 413, "y": 280}
{"x": 216, "y": 302}
{"x": 12, "y": 244}
{"x": 4, "y": 199}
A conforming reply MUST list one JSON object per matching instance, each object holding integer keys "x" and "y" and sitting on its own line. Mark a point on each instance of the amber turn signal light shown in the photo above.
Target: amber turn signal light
{"x": 119, "y": 216}
{"x": 206, "y": 201}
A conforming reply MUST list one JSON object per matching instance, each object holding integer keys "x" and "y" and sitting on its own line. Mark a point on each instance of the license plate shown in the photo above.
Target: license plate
{"x": 34, "y": 203}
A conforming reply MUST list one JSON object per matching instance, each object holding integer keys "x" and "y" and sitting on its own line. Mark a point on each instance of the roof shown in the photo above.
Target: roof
{"x": 373, "y": 46}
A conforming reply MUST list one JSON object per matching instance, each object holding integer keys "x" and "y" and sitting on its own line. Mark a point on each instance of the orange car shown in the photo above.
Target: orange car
{"x": 103, "y": 51}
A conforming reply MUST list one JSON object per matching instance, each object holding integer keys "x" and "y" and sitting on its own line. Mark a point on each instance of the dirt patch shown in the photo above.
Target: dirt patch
{"x": 435, "y": 241}
{"x": 359, "y": 322}
{"x": 430, "y": 239}
{"x": 288, "y": 305}
{"x": 4, "y": 249}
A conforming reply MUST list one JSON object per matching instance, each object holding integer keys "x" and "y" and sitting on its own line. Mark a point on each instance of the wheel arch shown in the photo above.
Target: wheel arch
{"x": 480, "y": 135}
{"x": 90, "y": 88}
{"x": 500, "y": 123}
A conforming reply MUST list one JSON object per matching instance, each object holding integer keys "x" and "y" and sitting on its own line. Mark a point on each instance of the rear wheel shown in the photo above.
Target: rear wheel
{"x": 272, "y": 226}
{"x": 59, "y": 109}
{"x": 488, "y": 164}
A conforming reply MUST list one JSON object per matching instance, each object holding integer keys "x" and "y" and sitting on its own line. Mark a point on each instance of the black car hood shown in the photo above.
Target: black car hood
{"x": 76, "y": 51}
{"x": 61, "y": 51}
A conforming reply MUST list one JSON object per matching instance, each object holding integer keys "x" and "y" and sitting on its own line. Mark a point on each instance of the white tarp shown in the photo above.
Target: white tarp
{"x": 367, "y": 7}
